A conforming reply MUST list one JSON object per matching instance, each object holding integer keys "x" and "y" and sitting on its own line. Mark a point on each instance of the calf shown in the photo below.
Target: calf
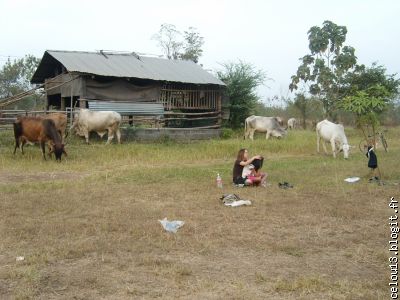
{"x": 38, "y": 130}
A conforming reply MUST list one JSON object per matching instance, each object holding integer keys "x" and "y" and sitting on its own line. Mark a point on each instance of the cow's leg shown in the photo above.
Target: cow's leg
{"x": 21, "y": 147}
{"x": 247, "y": 132}
{"x": 318, "y": 141}
{"x": 110, "y": 135}
{"x": 49, "y": 149}
{"x": 267, "y": 135}
{"x": 118, "y": 136}
{"x": 251, "y": 134}
{"x": 43, "y": 146}
{"x": 86, "y": 134}
{"x": 324, "y": 146}
{"x": 333, "y": 145}
{"x": 17, "y": 145}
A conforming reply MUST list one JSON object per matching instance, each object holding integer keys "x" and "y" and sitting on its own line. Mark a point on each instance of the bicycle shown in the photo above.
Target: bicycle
{"x": 372, "y": 141}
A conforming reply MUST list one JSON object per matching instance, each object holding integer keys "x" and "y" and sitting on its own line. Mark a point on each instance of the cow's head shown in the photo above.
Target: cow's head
{"x": 278, "y": 133}
{"x": 346, "y": 150}
{"x": 58, "y": 150}
{"x": 77, "y": 128}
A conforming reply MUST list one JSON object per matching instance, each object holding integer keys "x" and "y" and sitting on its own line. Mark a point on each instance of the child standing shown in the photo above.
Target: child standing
{"x": 372, "y": 162}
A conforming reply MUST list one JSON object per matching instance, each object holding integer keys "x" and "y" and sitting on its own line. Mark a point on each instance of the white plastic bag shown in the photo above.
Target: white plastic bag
{"x": 352, "y": 179}
{"x": 171, "y": 226}
{"x": 238, "y": 203}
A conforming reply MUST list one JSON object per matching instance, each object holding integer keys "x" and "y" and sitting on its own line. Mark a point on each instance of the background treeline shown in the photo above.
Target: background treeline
{"x": 328, "y": 83}
{"x": 242, "y": 80}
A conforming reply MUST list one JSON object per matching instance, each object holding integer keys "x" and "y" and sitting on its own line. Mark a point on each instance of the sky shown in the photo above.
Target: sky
{"x": 270, "y": 35}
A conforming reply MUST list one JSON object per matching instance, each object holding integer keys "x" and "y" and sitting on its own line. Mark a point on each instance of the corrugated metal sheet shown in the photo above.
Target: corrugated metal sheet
{"x": 124, "y": 108}
{"x": 129, "y": 65}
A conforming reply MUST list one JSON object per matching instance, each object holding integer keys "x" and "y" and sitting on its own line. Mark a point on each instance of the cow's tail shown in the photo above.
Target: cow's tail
{"x": 245, "y": 129}
{"x": 318, "y": 137}
{"x": 17, "y": 133}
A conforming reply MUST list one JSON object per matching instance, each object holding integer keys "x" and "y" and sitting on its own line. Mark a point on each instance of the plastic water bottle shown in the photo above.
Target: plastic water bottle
{"x": 219, "y": 181}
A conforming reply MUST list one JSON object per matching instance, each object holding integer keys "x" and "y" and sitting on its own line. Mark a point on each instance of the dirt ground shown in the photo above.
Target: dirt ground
{"x": 92, "y": 231}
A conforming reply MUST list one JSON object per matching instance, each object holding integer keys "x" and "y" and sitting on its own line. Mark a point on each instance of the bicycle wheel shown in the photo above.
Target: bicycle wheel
{"x": 361, "y": 146}
{"x": 384, "y": 142}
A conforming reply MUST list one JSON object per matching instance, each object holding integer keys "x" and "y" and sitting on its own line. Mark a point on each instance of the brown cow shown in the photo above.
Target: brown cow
{"x": 36, "y": 129}
{"x": 60, "y": 120}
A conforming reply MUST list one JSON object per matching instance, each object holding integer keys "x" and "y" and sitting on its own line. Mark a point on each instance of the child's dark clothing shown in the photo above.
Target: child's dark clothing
{"x": 373, "y": 160}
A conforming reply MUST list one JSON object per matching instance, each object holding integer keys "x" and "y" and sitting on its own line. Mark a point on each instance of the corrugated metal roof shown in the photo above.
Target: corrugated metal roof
{"x": 128, "y": 108}
{"x": 133, "y": 66}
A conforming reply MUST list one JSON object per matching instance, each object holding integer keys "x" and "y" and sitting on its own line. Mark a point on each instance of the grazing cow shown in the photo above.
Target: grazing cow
{"x": 60, "y": 120}
{"x": 38, "y": 130}
{"x": 270, "y": 125}
{"x": 292, "y": 123}
{"x": 99, "y": 121}
{"x": 333, "y": 133}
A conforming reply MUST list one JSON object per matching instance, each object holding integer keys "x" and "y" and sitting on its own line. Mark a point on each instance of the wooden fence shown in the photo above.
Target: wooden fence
{"x": 188, "y": 97}
{"x": 171, "y": 119}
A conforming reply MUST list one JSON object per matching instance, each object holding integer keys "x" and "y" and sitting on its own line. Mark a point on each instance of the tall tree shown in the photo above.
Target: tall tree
{"x": 323, "y": 71}
{"x": 168, "y": 38}
{"x": 363, "y": 78}
{"x": 242, "y": 80}
{"x": 172, "y": 42}
{"x": 192, "y": 45}
{"x": 301, "y": 104}
{"x": 369, "y": 92}
{"x": 15, "y": 78}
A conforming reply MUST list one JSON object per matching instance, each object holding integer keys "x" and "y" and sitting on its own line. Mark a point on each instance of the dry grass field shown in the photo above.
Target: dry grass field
{"x": 87, "y": 227}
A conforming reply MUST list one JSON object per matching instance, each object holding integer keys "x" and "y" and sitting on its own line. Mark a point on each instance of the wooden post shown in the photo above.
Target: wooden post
{"x": 62, "y": 104}
{"x": 219, "y": 109}
{"x": 72, "y": 106}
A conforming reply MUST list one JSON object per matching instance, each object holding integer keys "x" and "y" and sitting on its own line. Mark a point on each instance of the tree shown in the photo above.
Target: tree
{"x": 300, "y": 102}
{"x": 370, "y": 91}
{"x": 363, "y": 78}
{"x": 171, "y": 43}
{"x": 323, "y": 71}
{"x": 305, "y": 108}
{"x": 192, "y": 46}
{"x": 168, "y": 39}
{"x": 242, "y": 80}
{"x": 366, "y": 105}
{"x": 15, "y": 78}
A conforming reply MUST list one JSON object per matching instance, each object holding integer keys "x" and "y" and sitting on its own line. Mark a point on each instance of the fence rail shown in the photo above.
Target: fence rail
{"x": 170, "y": 119}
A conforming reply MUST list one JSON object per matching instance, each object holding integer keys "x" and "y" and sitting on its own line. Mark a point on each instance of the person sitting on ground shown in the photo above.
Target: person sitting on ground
{"x": 241, "y": 161}
{"x": 256, "y": 176}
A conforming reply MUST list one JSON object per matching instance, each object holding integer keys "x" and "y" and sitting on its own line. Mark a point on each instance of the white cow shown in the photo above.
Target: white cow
{"x": 99, "y": 121}
{"x": 270, "y": 125}
{"x": 292, "y": 123}
{"x": 333, "y": 133}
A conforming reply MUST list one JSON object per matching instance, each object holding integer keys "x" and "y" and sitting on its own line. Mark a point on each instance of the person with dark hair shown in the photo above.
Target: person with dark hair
{"x": 241, "y": 161}
{"x": 256, "y": 176}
